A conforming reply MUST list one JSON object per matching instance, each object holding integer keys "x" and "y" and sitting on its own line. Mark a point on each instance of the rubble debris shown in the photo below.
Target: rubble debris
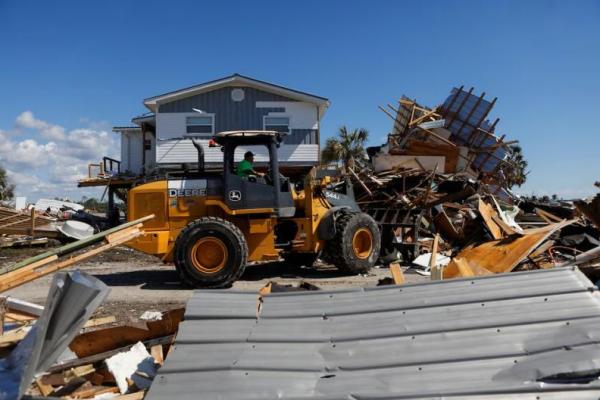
{"x": 500, "y": 255}
{"x": 590, "y": 208}
{"x": 31, "y": 222}
{"x": 76, "y": 229}
{"x": 103, "y": 340}
{"x": 444, "y": 172}
{"x": 426, "y": 260}
{"x": 72, "y": 299}
{"x": 135, "y": 365}
{"x": 62, "y": 257}
{"x": 57, "y": 208}
{"x": 22, "y": 241}
{"x": 82, "y": 370}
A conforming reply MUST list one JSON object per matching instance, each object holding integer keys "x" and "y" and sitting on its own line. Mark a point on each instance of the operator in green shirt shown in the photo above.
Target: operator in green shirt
{"x": 245, "y": 167}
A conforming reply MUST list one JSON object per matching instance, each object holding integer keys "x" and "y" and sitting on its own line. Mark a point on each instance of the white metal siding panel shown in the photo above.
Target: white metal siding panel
{"x": 302, "y": 115}
{"x": 172, "y": 125}
{"x": 524, "y": 335}
{"x": 136, "y": 147}
{"x": 150, "y": 154}
{"x": 124, "y": 152}
{"x": 183, "y": 151}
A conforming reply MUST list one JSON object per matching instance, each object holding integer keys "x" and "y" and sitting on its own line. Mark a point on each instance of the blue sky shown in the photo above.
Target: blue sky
{"x": 71, "y": 70}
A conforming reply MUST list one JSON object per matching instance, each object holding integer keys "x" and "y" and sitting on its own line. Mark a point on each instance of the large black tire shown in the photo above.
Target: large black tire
{"x": 197, "y": 267}
{"x": 346, "y": 252}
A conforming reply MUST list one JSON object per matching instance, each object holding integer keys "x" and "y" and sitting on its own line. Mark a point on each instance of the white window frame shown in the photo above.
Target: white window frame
{"x": 201, "y": 135}
{"x": 289, "y": 131}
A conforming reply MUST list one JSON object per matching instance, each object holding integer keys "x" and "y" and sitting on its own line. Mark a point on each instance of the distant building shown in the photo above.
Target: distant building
{"x": 160, "y": 139}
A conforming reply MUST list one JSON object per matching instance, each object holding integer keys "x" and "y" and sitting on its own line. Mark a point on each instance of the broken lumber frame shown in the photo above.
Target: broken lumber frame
{"x": 45, "y": 263}
{"x": 14, "y": 222}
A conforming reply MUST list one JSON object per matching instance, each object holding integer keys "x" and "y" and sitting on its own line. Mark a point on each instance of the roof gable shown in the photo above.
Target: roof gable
{"x": 235, "y": 80}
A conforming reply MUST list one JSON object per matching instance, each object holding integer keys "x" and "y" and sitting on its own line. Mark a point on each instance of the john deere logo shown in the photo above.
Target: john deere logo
{"x": 235, "y": 195}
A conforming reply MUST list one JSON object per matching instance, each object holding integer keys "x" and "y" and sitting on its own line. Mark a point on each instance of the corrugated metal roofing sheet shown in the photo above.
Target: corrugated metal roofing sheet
{"x": 493, "y": 337}
{"x": 469, "y": 113}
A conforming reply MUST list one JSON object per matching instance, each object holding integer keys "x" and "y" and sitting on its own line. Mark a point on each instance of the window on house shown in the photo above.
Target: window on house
{"x": 147, "y": 144}
{"x": 200, "y": 126}
{"x": 279, "y": 124}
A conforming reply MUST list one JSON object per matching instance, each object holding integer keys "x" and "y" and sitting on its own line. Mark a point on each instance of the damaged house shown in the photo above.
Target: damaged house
{"x": 160, "y": 139}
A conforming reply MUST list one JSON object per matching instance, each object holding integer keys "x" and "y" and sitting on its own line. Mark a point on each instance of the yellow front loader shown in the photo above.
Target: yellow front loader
{"x": 211, "y": 224}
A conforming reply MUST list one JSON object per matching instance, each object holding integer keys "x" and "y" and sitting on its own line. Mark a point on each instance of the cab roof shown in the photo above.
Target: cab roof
{"x": 249, "y": 137}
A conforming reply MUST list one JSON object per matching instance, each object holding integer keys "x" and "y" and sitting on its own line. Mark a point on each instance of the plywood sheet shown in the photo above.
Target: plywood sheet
{"x": 502, "y": 255}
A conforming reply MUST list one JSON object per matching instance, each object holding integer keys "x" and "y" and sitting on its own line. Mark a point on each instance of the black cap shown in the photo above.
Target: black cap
{"x": 248, "y": 154}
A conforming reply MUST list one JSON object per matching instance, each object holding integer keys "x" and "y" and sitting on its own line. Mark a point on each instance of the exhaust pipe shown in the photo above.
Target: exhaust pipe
{"x": 200, "y": 151}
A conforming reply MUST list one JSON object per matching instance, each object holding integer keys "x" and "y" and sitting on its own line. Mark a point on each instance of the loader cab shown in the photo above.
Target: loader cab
{"x": 242, "y": 193}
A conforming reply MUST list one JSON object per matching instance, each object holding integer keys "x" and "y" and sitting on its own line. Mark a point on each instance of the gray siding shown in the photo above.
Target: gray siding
{"x": 301, "y": 136}
{"x": 229, "y": 115}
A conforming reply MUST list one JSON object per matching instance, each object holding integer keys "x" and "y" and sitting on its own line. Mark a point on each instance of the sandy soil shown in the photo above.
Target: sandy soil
{"x": 140, "y": 282}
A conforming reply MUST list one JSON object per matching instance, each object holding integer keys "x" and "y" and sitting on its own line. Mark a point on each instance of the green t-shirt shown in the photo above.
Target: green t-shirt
{"x": 244, "y": 168}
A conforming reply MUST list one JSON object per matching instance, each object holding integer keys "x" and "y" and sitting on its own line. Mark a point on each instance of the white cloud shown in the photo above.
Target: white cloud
{"x": 50, "y": 163}
{"x": 48, "y": 131}
{"x": 87, "y": 144}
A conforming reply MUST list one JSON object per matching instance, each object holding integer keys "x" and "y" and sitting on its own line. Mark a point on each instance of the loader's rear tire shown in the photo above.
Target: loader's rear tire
{"x": 210, "y": 253}
{"x": 356, "y": 244}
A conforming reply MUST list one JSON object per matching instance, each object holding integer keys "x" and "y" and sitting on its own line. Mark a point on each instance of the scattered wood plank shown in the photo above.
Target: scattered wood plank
{"x": 103, "y": 340}
{"x": 548, "y": 217}
{"x": 436, "y": 270}
{"x": 19, "y": 317}
{"x": 504, "y": 226}
{"x": 100, "y": 321}
{"x": 44, "y": 388}
{"x": 397, "y": 273}
{"x": 157, "y": 353}
{"x": 2, "y": 314}
{"x": 364, "y": 186}
{"x": 487, "y": 212}
{"x": 12, "y": 337}
{"x": 64, "y": 365}
{"x": 132, "y": 396}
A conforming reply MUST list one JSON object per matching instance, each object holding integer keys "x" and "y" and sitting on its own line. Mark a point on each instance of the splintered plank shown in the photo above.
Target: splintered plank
{"x": 157, "y": 353}
{"x": 498, "y": 256}
{"x": 487, "y": 213}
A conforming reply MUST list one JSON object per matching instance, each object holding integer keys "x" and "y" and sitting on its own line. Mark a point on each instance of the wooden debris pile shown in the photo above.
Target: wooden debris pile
{"x": 69, "y": 254}
{"x": 100, "y": 353}
{"x": 31, "y": 222}
{"x": 441, "y": 184}
{"x": 454, "y": 137}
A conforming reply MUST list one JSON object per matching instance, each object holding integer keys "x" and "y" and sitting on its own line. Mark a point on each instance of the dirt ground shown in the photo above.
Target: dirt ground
{"x": 139, "y": 282}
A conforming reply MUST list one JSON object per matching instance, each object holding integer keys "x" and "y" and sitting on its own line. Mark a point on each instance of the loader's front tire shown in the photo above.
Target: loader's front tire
{"x": 356, "y": 244}
{"x": 210, "y": 253}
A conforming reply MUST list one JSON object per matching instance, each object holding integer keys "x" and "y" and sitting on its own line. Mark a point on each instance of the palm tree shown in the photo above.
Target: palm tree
{"x": 7, "y": 190}
{"x": 518, "y": 174}
{"x": 346, "y": 148}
